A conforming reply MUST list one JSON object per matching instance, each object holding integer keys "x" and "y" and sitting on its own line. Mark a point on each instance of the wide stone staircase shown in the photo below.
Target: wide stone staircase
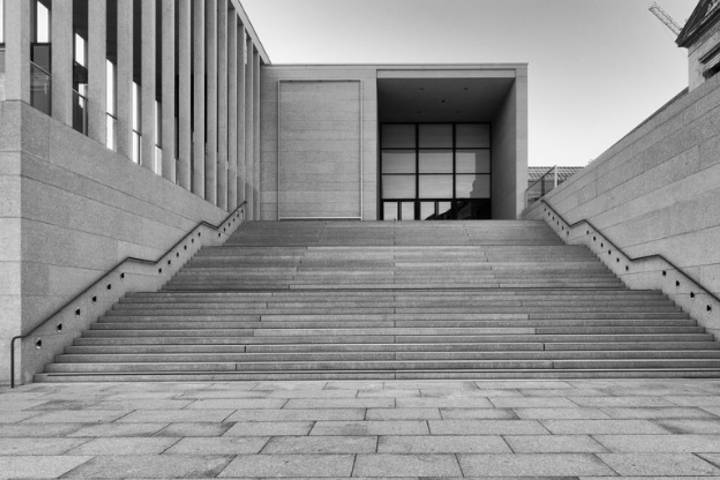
{"x": 382, "y": 300}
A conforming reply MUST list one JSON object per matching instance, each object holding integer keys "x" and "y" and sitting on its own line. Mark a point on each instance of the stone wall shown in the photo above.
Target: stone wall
{"x": 657, "y": 191}
{"x": 69, "y": 211}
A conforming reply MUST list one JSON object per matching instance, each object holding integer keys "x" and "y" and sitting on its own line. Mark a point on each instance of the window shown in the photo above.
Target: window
{"x": 435, "y": 171}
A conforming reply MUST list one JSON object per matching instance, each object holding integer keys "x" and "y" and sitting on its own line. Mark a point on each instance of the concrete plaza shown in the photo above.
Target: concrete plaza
{"x": 363, "y": 429}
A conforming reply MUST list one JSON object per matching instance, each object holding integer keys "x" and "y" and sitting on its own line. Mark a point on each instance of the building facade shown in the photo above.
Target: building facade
{"x": 125, "y": 123}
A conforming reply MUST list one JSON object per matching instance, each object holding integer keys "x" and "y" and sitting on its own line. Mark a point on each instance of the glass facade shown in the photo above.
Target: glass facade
{"x": 435, "y": 171}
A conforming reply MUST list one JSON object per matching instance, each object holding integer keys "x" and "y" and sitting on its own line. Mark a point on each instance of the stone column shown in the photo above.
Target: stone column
{"x": 242, "y": 120}
{"x": 61, "y": 28}
{"x": 185, "y": 149}
{"x": 232, "y": 109}
{"x": 148, "y": 90}
{"x": 97, "y": 71}
{"x": 17, "y": 52}
{"x": 198, "y": 177}
{"x": 211, "y": 109}
{"x": 168, "y": 90}
{"x": 249, "y": 126}
{"x": 222, "y": 174}
{"x": 256, "y": 135}
{"x": 124, "y": 77}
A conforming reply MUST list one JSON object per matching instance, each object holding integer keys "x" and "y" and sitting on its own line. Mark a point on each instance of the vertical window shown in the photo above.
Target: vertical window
{"x": 40, "y": 66}
{"x": 111, "y": 106}
{"x": 2, "y": 22}
{"x": 80, "y": 67}
{"x": 136, "y": 138}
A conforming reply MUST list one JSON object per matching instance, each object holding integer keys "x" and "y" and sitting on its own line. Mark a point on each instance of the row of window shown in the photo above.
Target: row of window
{"x": 435, "y": 186}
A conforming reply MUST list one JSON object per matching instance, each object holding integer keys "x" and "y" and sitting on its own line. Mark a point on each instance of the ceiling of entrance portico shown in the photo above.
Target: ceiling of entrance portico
{"x": 441, "y": 99}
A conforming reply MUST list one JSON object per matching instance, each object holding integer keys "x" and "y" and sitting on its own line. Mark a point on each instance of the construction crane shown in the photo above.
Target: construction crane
{"x": 665, "y": 18}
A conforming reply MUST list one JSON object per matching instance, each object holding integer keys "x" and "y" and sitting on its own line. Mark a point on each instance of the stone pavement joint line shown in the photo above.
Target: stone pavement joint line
{"x": 575, "y": 429}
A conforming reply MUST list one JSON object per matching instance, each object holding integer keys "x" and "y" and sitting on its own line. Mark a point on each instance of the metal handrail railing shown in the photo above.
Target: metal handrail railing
{"x": 126, "y": 260}
{"x": 541, "y": 181}
{"x": 653, "y": 256}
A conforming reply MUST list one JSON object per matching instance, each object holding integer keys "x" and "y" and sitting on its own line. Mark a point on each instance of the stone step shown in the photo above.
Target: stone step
{"x": 396, "y": 347}
{"x": 383, "y": 365}
{"x": 124, "y": 357}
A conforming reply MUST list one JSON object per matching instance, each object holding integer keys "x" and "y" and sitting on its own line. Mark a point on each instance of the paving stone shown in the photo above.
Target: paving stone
{"x": 14, "y": 417}
{"x": 571, "y": 427}
{"x": 444, "y": 402}
{"x": 306, "y": 403}
{"x": 38, "y": 446}
{"x": 533, "y": 465}
{"x": 695, "y": 400}
{"x": 656, "y": 412}
{"x": 486, "y": 427}
{"x": 78, "y": 416}
{"x": 553, "y": 444}
{"x": 477, "y": 413}
{"x": 290, "y": 414}
{"x": 660, "y": 443}
{"x": 370, "y": 427}
{"x": 170, "y": 416}
{"x": 391, "y": 465}
{"x": 442, "y": 444}
{"x": 151, "y": 466}
{"x": 237, "y": 403}
{"x": 325, "y": 393}
{"x": 691, "y": 425}
{"x": 522, "y": 384}
{"x": 38, "y": 429}
{"x": 290, "y": 466}
{"x": 269, "y": 428}
{"x": 561, "y": 413}
{"x": 529, "y": 402}
{"x": 388, "y": 393}
{"x": 321, "y": 444}
{"x": 658, "y": 464}
{"x": 402, "y": 413}
{"x": 634, "y": 401}
{"x": 38, "y": 467}
{"x": 119, "y": 430}
{"x": 218, "y": 445}
{"x": 124, "y": 446}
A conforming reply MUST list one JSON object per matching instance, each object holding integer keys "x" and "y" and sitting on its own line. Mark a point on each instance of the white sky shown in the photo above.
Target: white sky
{"x": 597, "y": 67}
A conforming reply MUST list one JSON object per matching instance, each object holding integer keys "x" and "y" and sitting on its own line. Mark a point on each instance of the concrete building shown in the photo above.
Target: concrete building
{"x": 701, "y": 36}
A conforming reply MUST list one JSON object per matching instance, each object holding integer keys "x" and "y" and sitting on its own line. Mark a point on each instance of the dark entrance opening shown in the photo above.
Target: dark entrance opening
{"x": 435, "y": 171}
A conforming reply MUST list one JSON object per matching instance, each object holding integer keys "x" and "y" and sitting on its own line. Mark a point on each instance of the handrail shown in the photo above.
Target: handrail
{"x": 621, "y": 251}
{"x": 541, "y": 178}
{"x": 130, "y": 259}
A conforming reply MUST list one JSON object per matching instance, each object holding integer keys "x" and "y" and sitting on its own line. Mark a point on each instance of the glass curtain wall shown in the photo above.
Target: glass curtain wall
{"x": 40, "y": 66}
{"x": 435, "y": 171}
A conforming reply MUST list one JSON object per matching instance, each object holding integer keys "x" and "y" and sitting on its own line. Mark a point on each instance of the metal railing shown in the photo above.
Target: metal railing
{"x": 542, "y": 186}
{"x": 554, "y": 218}
{"x": 221, "y": 228}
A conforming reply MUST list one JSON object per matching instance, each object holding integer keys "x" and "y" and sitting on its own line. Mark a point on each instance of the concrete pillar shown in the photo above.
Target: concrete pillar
{"x": 256, "y": 135}
{"x": 242, "y": 120}
{"x": 97, "y": 72}
{"x": 124, "y": 75}
{"x": 185, "y": 149}
{"x": 249, "y": 125}
{"x": 198, "y": 164}
{"x": 148, "y": 90}
{"x": 17, "y": 52}
{"x": 222, "y": 174}
{"x": 232, "y": 109}
{"x": 211, "y": 61}
{"x": 61, "y": 31}
{"x": 168, "y": 90}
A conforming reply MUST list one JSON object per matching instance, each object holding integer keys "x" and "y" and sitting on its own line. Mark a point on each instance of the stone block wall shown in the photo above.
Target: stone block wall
{"x": 657, "y": 191}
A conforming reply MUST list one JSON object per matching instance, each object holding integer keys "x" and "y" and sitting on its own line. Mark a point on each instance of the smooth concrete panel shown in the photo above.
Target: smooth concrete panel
{"x": 319, "y": 149}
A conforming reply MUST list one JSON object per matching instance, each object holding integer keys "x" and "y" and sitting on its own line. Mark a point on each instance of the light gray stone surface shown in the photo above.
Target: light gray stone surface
{"x": 284, "y": 442}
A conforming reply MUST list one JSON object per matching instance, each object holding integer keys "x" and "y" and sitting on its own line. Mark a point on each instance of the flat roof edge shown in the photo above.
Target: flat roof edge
{"x": 410, "y": 66}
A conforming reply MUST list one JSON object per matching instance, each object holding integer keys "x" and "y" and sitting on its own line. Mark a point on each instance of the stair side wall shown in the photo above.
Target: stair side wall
{"x": 657, "y": 191}
{"x": 81, "y": 209}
